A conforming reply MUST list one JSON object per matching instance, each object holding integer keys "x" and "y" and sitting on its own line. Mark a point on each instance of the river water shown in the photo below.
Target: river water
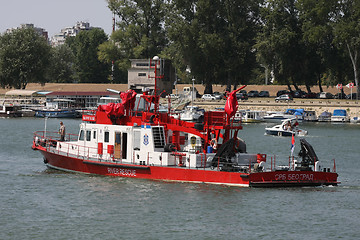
{"x": 38, "y": 203}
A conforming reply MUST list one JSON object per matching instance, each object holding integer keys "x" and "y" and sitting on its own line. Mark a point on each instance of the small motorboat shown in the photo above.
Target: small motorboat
{"x": 340, "y": 115}
{"x": 249, "y": 116}
{"x": 325, "y": 117}
{"x": 355, "y": 119}
{"x": 280, "y": 116}
{"x": 287, "y": 128}
{"x": 310, "y": 116}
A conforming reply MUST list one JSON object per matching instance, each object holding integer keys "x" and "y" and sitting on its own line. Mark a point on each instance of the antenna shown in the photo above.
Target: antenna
{"x": 112, "y": 62}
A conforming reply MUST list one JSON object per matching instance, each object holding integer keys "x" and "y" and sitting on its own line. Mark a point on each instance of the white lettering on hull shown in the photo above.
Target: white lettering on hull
{"x": 122, "y": 172}
{"x": 294, "y": 177}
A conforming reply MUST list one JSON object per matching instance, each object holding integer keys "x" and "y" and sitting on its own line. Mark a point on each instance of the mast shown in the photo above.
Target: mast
{"x": 156, "y": 60}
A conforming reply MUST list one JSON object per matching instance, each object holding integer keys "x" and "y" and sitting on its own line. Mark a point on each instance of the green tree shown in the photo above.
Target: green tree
{"x": 24, "y": 56}
{"x": 61, "y": 64}
{"x": 140, "y": 32}
{"x": 110, "y": 54}
{"x": 328, "y": 61}
{"x": 205, "y": 36}
{"x": 241, "y": 25}
{"x": 85, "y": 47}
{"x": 347, "y": 32}
{"x": 279, "y": 43}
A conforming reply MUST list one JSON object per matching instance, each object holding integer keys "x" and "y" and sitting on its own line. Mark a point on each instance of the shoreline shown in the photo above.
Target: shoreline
{"x": 178, "y": 88}
{"x": 262, "y": 104}
{"x": 268, "y": 104}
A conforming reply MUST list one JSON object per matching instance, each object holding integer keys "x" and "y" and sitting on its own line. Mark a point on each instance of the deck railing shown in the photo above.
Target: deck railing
{"x": 50, "y": 140}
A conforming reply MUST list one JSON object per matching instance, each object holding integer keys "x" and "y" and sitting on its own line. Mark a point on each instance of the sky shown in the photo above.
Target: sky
{"x": 54, "y": 15}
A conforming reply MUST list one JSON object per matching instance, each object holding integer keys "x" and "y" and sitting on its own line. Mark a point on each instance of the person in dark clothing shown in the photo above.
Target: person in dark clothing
{"x": 62, "y": 131}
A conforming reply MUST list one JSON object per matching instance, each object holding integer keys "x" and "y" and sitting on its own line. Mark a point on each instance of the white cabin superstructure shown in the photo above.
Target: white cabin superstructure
{"x": 141, "y": 145}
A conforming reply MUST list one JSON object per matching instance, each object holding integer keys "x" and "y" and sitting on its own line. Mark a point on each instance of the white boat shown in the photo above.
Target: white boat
{"x": 310, "y": 116}
{"x": 58, "y": 108}
{"x": 280, "y": 116}
{"x": 287, "y": 128}
{"x": 191, "y": 113}
{"x": 249, "y": 116}
{"x": 340, "y": 115}
{"x": 10, "y": 110}
{"x": 355, "y": 119}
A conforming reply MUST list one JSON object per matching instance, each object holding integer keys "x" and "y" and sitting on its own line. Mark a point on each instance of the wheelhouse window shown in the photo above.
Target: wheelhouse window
{"x": 106, "y": 136}
{"x": 81, "y": 135}
{"x": 136, "y": 140}
{"x": 88, "y": 135}
{"x": 94, "y": 134}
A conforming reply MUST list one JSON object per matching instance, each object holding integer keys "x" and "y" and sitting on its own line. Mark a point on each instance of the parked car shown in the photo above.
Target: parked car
{"x": 253, "y": 93}
{"x": 208, "y": 97}
{"x": 241, "y": 96}
{"x": 282, "y": 92}
{"x": 326, "y": 95}
{"x": 340, "y": 96}
{"x": 284, "y": 98}
{"x": 299, "y": 93}
{"x": 310, "y": 95}
{"x": 218, "y": 95}
{"x": 264, "y": 94}
{"x": 352, "y": 96}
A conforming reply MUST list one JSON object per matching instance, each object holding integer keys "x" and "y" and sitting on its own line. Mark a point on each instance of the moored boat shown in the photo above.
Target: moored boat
{"x": 280, "y": 116}
{"x": 310, "y": 116}
{"x": 57, "y": 113}
{"x": 355, "y": 119}
{"x": 58, "y": 108}
{"x": 340, "y": 115}
{"x": 325, "y": 117}
{"x": 249, "y": 116}
{"x": 10, "y": 110}
{"x": 118, "y": 141}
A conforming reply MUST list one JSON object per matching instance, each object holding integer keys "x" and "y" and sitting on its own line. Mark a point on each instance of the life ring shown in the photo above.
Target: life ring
{"x": 213, "y": 143}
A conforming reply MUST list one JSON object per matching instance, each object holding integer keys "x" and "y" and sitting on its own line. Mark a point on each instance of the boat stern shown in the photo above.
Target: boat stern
{"x": 293, "y": 179}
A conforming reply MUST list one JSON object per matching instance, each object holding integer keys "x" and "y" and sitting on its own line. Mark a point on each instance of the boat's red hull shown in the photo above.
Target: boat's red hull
{"x": 261, "y": 179}
{"x": 145, "y": 172}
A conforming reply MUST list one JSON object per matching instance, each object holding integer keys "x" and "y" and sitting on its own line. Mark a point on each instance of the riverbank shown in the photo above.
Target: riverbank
{"x": 269, "y": 104}
{"x": 87, "y": 87}
{"x": 264, "y": 104}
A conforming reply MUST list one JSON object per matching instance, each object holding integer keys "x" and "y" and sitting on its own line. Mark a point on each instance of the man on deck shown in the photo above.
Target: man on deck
{"x": 62, "y": 131}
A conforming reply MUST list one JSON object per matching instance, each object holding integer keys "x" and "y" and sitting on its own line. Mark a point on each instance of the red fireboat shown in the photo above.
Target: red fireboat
{"x": 127, "y": 140}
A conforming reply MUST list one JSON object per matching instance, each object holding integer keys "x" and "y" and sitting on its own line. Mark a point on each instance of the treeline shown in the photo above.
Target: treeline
{"x": 228, "y": 42}
{"x": 25, "y": 57}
